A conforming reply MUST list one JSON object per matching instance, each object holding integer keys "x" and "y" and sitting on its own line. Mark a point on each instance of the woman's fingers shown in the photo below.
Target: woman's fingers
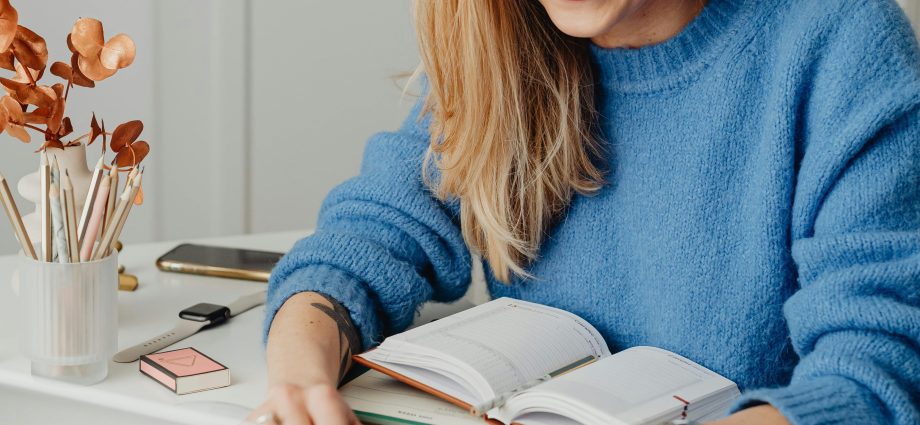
{"x": 294, "y": 405}
{"x": 327, "y": 407}
{"x": 291, "y": 406}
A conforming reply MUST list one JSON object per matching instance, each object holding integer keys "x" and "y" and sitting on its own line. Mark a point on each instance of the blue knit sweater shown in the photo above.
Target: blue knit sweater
{"x": 761, "y": 216}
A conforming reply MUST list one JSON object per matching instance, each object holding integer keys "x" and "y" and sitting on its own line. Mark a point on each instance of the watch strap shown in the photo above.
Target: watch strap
{"x": 183, "y": 329}
{"x": 247, "y": 302}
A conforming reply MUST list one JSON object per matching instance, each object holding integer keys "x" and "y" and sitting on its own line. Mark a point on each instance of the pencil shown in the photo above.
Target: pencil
{"x": 123, "y": 217}
{"x": 19, "y": 229}
{"x": 91, "y": 195}
{"x": 131, "y": 175}
{"x": 95, "y": 221}
{"x": 57, "y": 219}
{"x": 113, "y": 198}
{"x": 102, "y": 249}
{"x": 70, "y": 218}
{"x": 45, "y": 208}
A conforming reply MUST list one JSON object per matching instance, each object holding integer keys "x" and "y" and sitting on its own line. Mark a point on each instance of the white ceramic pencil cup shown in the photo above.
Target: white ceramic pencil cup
{"x": 70, "y": 317}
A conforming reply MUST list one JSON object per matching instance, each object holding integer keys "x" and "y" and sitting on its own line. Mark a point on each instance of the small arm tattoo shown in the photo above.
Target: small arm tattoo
{"x": 348, "y": 335}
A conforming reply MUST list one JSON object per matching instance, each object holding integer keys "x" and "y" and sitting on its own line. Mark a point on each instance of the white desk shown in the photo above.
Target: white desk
{"x": 126, "y": 396}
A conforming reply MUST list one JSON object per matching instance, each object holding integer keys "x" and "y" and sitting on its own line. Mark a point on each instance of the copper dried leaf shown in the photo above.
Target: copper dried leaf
{"x": 38, "y": 116}
{"x": 132, "y": 154}
{"x": 9, "y": 19}
{"x": 30, "y": 48}
{"x": 61, "y": 69}
{"x": 125, "y": 134}
{"x": 6, "y": 60}
{"x": 21, "y": 92}
{"x": 12, "y": 109}
{"x": 22, "y": 77}
{"x": 94, "y": 130}
{"x": 4, "y": 122}
{"x": 20, "y": 133}
{"x": 41, "y": 96}
{"x": 87, "y": 37}
{"x": 64, "y": 71}
{"x": 118, "y": 52}
{"x": 57, "y": 115}
{"x": 11, "y": 86}
{"x": 92, "y": 68}
{"x": 78, "y": 75}
{"x": 58, "y": 89}
{"x": 66, "y": 127}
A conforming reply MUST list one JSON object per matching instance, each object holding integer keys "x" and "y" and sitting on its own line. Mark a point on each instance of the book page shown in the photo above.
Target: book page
{"x": 377, "y": 398}
{"x": 635, "y": 386}
{"x": 509, "y": 343}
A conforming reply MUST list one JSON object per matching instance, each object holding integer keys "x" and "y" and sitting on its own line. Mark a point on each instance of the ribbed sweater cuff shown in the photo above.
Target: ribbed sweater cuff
{"x": 819, "y": 401}
{"x": 347, "y": 290}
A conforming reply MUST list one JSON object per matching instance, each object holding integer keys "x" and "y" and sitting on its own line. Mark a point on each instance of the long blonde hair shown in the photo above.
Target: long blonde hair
{"x": 512, "y": 130}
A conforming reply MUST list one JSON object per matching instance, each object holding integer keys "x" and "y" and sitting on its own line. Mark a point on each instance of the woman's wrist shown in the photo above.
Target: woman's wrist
{"x": 306, "y": 344}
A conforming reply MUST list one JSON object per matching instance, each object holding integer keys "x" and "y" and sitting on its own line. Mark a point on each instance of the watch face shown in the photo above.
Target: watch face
{"x": 205, "y": 312}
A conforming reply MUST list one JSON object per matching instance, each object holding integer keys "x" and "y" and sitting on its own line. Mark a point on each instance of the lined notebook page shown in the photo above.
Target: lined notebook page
{"x": 633, "y": 386}
{"x": 510, "y": 343}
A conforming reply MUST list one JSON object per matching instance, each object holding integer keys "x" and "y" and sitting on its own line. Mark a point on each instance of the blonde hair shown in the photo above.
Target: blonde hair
{"x": 512, "y": 129}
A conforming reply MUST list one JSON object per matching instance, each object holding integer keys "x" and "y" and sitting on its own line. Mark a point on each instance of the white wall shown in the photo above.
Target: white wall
{"x": 912, "y": 8}
{"x": 321, "y": 85}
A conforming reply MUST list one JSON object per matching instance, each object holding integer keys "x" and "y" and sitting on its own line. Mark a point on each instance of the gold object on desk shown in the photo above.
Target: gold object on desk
{"x": 127, "y": 282}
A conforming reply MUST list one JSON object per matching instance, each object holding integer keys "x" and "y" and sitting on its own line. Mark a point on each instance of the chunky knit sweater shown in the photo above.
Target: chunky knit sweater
{"x": 761, "y": 212}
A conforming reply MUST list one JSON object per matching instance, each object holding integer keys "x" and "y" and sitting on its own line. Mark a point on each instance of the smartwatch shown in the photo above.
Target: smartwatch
{"x": 191, "y": 320}
{"x": 203, "y": 312}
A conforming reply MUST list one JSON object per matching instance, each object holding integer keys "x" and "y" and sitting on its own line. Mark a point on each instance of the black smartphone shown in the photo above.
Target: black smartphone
{"x": 218, "y": 261}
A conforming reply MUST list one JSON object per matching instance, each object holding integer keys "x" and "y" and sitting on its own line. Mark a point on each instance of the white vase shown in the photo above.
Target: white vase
{"x": 72, "y": 159}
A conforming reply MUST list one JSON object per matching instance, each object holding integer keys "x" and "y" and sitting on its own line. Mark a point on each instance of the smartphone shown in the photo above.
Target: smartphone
{"x": 218, "y": 261}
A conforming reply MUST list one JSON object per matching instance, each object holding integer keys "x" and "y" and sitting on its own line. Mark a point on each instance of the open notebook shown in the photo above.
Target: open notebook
{"x": 518, "y": 362}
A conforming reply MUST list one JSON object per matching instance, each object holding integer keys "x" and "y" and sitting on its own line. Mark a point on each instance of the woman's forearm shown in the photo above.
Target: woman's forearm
{"x": 310, "y": 341}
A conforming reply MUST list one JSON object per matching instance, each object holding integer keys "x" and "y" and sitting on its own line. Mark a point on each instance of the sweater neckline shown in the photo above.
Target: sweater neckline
{"x": 720, "y": 24}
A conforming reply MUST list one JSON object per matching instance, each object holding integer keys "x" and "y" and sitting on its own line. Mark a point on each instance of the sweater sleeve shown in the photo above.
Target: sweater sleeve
{"x": 855, "y": 321}
{"x": 855, "y": 239}
{"x": 383, "y": 244}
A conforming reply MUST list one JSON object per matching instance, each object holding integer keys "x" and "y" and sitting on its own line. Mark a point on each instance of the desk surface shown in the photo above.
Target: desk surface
{"x": 149, "y": 311}
{"x": 126, "y": 396}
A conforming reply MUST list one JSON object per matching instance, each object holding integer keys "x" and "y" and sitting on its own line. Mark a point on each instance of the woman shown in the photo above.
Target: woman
{"x": 736, "y": 181}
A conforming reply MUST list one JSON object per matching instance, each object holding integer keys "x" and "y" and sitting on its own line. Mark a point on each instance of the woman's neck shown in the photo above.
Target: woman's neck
{"x": 651, "y": 23}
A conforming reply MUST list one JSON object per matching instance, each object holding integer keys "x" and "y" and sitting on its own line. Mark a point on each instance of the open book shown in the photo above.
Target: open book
{"x": 518, "y": 362}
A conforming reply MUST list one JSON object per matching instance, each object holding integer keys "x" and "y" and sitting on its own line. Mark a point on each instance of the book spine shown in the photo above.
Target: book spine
{"x": 481, "y": 409}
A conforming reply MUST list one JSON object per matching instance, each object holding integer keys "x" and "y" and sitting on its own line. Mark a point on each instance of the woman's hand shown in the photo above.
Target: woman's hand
{"x": 290, "y": 404}
{"x": 309, "y": 350}
{"x": 764, "y": 414}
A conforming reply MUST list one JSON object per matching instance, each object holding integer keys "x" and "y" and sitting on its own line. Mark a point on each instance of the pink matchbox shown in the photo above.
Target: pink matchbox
{"x": 185, "y": 371}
